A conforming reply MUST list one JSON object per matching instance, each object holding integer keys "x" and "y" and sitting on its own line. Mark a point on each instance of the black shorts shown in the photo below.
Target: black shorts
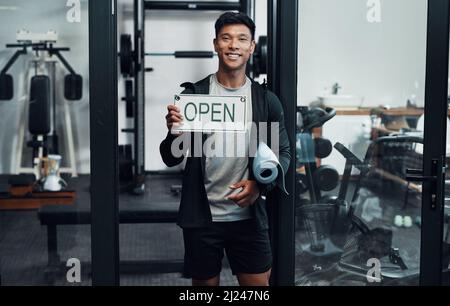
{"x": 248, "y": 249}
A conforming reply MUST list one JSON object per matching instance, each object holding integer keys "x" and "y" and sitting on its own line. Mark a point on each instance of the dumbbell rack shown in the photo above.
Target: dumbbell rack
{"x": 135, "y": 67}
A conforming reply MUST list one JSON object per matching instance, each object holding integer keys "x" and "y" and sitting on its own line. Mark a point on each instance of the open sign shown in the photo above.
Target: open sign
{"x": 207, "y": 113}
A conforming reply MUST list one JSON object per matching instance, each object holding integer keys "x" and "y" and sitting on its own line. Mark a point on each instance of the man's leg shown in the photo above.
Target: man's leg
{"x": 249, "y": 253}
{"x": 203, "y": 255}
{"x": 254, "y": 280}
{"x": 213, "y": 282}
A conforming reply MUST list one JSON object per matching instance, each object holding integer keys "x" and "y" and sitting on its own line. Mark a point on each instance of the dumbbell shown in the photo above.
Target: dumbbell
{"x": 326, "y": 178}
{"x": 322, "y": 147}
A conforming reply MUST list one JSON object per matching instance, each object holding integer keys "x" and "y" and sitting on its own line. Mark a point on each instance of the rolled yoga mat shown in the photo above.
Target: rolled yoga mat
{"x": 267, "y": 169}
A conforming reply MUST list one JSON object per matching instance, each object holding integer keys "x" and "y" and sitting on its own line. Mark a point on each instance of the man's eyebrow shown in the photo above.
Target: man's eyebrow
{"x": 239, "y": 35}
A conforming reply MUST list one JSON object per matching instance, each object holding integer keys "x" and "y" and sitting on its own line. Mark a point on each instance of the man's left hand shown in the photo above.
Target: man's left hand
{"x": 249, "y": 194}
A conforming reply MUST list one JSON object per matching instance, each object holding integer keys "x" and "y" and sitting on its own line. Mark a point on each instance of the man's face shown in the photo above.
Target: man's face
{"x": 234, "y": 45}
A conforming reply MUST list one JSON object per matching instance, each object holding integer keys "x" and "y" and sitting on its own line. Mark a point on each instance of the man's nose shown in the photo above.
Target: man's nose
{"x": 234, "y": 44}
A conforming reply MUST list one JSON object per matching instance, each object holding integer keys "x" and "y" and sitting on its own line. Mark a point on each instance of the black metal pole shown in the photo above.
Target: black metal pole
{"x": 193, "y": 5}
{"x": 104, "y": 140}
{"x": 55, "y": 142}
{"x": 436, "y": 108}
{"x": 12, "y": 60}
{"x": 282, "y": 76}
{"x": 63, "y": 60}
{"x": 139, "y": 94}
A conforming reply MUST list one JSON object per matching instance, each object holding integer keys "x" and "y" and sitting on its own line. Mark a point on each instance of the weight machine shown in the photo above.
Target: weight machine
{"x": 42, "y": 98}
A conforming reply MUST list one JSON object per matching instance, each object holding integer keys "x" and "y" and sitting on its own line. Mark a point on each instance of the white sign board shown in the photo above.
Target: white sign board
{"x": 207, "y": 113}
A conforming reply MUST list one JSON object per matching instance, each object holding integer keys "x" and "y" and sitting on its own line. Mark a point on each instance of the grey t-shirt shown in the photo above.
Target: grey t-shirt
{"x": 232, "y": 166}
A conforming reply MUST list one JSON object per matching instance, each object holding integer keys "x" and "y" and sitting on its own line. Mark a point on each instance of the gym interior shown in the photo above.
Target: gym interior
{"x": 84, "y": 89}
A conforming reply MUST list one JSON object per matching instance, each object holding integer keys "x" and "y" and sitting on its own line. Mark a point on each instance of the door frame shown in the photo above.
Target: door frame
{"x": 104, "y": 141}
{"x": 434, "y": 140}
{"x": 282, "y": 78}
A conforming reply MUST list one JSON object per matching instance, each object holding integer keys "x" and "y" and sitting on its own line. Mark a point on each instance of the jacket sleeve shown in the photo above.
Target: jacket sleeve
{"x": 165, "y": 147}
{"x": 276, "y": 115}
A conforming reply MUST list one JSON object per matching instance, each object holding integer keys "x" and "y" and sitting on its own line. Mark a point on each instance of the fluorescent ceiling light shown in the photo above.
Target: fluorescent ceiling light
{"x": 9, "y": 8}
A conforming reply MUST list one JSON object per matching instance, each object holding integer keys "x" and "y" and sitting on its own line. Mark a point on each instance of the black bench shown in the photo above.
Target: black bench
{"x": 158, "y": 205}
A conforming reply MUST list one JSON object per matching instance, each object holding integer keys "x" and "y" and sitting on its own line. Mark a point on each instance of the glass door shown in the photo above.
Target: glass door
{"x": 45, "y": 155}
{"x": 57, "y": 154}
{"x": 446, "y": 219}
{"x": 367, "y": 179}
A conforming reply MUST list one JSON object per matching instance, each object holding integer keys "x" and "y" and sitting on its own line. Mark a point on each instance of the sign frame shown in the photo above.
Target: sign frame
{"x": 211, "y": 127}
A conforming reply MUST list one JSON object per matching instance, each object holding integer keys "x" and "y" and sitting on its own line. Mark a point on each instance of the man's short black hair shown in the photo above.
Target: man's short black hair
{"x": 229, "y": 18}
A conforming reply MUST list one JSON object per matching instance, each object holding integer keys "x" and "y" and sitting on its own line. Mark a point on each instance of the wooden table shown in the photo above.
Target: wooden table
{"x": 36, "y": 200}
{"x": 401, "y": 111}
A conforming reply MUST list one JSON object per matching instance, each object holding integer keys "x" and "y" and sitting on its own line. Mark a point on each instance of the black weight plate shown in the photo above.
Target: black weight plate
{"x": 323, "y": 147}
{"x": 263, "y": 52}
{"x": 126, "y": 55}
{"x": 6, "y": 87}
{"x": 73, "y": 87}
{"x": 260, "y": 57}
{"x": 326, "y": 178}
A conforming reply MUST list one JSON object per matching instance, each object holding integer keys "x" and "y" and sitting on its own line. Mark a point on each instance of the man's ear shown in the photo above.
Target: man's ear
{"x": 215, "y": 44}
{"x": 252, "y": 49}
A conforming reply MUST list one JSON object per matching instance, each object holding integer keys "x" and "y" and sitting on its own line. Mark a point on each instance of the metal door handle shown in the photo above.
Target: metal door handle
{"x": 416, "y": 175}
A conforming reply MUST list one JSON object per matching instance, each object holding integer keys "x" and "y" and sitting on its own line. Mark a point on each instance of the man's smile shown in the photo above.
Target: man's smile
{"x": 233, "y": 55}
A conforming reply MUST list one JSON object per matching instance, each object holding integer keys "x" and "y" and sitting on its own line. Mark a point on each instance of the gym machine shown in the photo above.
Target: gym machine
{"x": 327, "y": 219}
{"x": 315, "y": 179}
{"x": 132, "y": 67}
{"x": 39, "y": 42}
{"x": 29, "y": 188}
{"x": 333, "y": 232}
{"x": 132, "y": 64}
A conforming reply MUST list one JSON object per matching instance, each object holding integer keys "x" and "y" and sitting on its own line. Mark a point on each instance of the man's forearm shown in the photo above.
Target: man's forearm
{"x": 165, "y": 150}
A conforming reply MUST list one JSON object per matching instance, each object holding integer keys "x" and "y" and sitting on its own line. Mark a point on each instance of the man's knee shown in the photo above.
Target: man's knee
{"x": 212, "y": 282}
{"x": 258, "y": 280}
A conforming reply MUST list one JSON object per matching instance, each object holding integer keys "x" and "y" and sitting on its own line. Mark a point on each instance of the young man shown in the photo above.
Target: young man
{"x": 221, "y": 206}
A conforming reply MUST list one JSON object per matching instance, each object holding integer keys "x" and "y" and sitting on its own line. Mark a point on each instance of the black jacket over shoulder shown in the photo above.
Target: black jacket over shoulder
{"x": 194, "y": 207}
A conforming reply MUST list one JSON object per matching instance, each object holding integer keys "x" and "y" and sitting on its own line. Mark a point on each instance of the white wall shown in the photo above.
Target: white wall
{"x": 381, "y": 61}
{"x": 41, "y": 16}
{"x": 169, "y": 31}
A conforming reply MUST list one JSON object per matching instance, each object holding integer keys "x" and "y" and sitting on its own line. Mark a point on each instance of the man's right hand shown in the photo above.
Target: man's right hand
{"x": 173, "y": 117}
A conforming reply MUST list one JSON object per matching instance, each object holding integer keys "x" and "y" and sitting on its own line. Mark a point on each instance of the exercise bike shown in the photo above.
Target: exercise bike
{"x": 339, "y": 242}
{"x": 329, "y": 228}
{"x": 329, "y": 215}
